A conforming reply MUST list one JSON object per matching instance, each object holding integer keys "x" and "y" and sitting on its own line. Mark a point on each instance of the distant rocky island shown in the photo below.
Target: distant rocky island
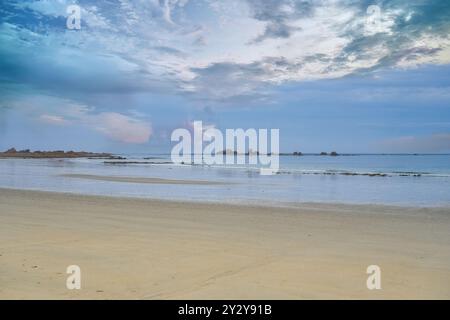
{"x": 298, "y": 153}
{"x": 27, "y": 154}
{"x": 295, "y": 153}
{"x": 236, "y": 153}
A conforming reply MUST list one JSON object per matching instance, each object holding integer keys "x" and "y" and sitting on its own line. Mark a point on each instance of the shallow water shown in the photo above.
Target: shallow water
{"x": 421, "y": 180}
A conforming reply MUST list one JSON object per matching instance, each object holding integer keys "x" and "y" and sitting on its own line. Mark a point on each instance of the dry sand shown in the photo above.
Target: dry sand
{"x": 143, "y": 249}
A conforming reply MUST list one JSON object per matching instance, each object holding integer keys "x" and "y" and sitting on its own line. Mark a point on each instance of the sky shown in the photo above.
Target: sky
{"x": 351, "y": 76}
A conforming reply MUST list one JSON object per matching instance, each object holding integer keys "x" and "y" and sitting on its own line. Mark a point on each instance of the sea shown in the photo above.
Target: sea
{"x": 404, "y": 180}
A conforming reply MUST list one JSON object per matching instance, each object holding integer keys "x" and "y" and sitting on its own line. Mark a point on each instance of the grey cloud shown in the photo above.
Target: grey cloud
{"x": 228, "y": 82}
{"x": 413, "y": 19}
{"x": 169, "y": 50}
{"x": 278, "y": 14}
{"x": 274, "y": 30}
{"x": 127, "y": 57}
{"x": 200, "y": 41}
{"x": 409, "y": 54}
{"x": 250, "y": 82}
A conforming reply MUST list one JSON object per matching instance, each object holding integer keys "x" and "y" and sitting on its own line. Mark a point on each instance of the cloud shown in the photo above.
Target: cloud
{"x": 121, "y": 128}
{"x": 175, "y": 46}
{"x": 278, "y": 16}
{"x": 113, "y": 125}
{"x": 225, "y": 76}
{"x": 276, "y": 31}
{"x": 311, "y": 40}
{"x": 414, "y": 144}
{"x": 53, "y": 120}
{"x": 132, "y": 128}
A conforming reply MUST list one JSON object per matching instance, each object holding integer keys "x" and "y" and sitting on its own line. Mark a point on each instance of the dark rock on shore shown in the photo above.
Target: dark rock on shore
{"x": 27, "y": 154}
{"x": 109, "y": 158}
{"x": 137, "y": 162}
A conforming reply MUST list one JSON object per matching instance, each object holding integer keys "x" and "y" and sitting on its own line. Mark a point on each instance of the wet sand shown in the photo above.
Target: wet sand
{"x": 140, "y": 180}
{"x": 147, "y": 249}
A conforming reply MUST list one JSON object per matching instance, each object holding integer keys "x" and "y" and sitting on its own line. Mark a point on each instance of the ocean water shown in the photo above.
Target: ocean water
{"x": 411, "y": 180}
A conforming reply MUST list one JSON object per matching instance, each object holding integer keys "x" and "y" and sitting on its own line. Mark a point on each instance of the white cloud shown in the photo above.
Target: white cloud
{"x": 121, "y": 128}
{"x": 124, "y": 128}
{"x": 53, "y": 120}
{"x": 143, "y": 45}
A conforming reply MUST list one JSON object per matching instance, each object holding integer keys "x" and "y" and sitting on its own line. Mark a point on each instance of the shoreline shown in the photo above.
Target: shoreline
{"x": 252, "y": 203}
{"x": 130, "y": 248}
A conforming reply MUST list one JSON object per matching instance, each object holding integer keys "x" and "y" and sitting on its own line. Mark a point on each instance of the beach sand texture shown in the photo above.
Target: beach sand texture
{"x": 145, "y": 249}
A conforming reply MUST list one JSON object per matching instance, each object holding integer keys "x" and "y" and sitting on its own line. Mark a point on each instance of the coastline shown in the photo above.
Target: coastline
{"x": 157, "y": 249}
{"x": 417, "y": 184}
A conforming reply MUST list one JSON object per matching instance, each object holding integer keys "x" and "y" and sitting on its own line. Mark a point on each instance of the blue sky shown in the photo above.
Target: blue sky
{"x": 331, "y": 75}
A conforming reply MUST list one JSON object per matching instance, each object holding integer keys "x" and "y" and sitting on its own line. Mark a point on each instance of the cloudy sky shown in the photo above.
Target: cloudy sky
{"x": 351, "y": 76}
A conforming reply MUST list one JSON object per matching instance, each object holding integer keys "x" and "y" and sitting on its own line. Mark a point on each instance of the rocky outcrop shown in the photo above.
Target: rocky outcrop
{"x": 227, "y": 151}
{"x": 27, "y": 154}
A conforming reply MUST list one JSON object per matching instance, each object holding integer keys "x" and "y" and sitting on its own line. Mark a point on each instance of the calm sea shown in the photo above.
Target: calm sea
{"x": 412, "y": 180}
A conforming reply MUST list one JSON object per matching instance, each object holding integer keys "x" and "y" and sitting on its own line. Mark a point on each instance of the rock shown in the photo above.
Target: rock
{"x": 227, "y": 151}
{"x": 27, "y": 154}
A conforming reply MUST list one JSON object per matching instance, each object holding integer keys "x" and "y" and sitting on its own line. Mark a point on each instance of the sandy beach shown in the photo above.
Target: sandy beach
{"x": 148, "y": 249}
